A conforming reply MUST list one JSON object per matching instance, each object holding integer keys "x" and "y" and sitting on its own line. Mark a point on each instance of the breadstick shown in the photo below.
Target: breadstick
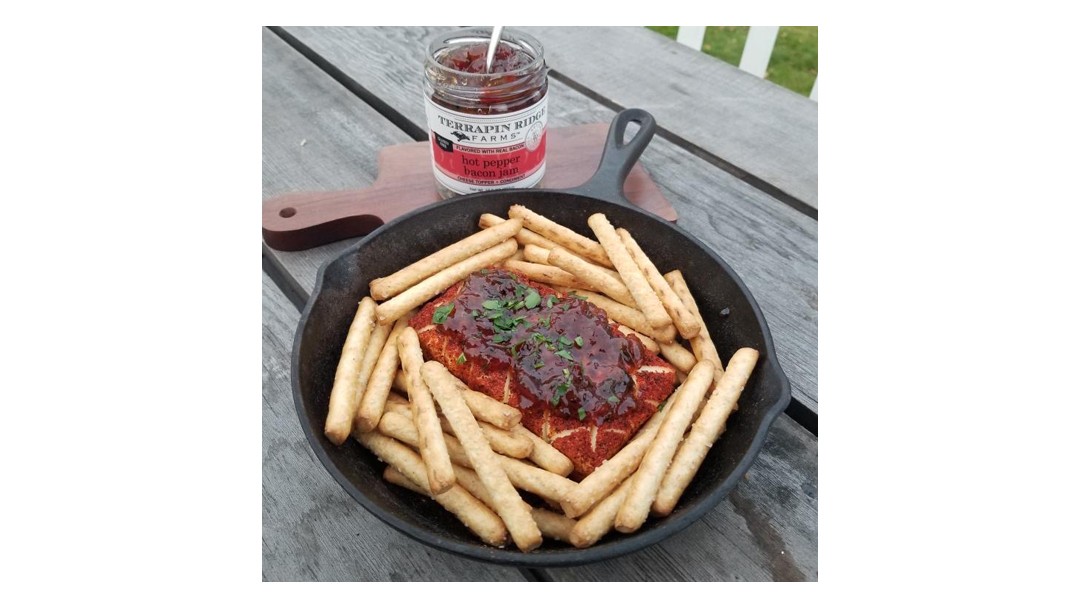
{"x": 707, "y": 428}
{"x": 544, "y": 455}
{"x": 546, "y": 274}
{"x": 488, "y": 409}
{"x": 607, "y": 476}
{"x": 469, "y": 510}
{"x": 547, "y": 485}
{"x": 524, "y": 237}
{"x": 346, "y": 392}
{"x": 628, "y": 316}
{"x": 382, "y": 376}
{"x": 647, "y": 479}
{"x": 540, "y": 255}
{"x": 432, "y": 445}
{"x": 536, "y": 254}
{"x": 681, "y": 358}
{"x": 591, "y": 275}
{"x": 561, "y": 235}
{"x": 687, "y": 324}
{"x": 553, "y": 524}
{"x": 396, "y": 307}
{"x": 514, "y": 512}
{"x": 703, "y": 346}
{"x": 645, "y": 298}
{"x": 388, "y": 286}
{"x": 596, "y": 524}
{"x": 485, "y": 408}
{"x": 501, "y": 441}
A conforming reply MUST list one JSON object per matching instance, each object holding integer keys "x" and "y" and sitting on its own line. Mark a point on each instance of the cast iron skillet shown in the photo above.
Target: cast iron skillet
{"x": 732, "y": 315}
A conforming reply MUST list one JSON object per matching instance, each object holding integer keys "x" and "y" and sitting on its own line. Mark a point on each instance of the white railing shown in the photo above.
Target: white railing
{"x": 756, "y": 54}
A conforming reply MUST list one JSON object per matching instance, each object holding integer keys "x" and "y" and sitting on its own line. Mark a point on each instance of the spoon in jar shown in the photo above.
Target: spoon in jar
{"x": 496, "y": 33}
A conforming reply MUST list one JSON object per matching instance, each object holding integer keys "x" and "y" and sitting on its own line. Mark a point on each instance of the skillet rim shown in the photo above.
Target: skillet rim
{"x": 670, "y": 526}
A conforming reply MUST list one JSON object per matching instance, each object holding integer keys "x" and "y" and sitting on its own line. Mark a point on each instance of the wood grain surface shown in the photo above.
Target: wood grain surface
{"x": 766, "y": 529}
{"x": 756, "y": 125}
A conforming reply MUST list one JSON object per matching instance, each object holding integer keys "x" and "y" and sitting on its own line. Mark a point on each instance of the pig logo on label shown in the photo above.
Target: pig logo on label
{"x": 532, "y": 138}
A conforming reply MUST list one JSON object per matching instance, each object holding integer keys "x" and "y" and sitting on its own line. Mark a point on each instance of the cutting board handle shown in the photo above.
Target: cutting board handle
{"x": 301, "y": 220}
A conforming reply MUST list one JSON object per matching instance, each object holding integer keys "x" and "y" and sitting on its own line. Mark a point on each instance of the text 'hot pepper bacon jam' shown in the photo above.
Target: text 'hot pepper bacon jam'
{"x": 580, "y": 384}
{"x": 488, "y": 130}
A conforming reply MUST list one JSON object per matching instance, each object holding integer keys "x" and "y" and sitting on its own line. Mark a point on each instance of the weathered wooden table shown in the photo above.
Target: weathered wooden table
{"x": 736, "y": 156}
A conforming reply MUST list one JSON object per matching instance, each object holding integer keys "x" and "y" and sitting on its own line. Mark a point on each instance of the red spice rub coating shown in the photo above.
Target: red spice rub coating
{"x": 616, "y": 384}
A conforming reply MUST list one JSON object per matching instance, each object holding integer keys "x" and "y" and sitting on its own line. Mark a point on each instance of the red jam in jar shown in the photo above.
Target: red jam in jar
{"x": 488, "y": 129}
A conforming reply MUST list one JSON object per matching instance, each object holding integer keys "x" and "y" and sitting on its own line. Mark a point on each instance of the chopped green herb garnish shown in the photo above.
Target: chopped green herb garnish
{"x": 501, "y": 338}
{"x": 564, "y": 340}
{"x": 539, "y": 363}
{"x": 560, "y": 391}
{"x": 461, "y": 359}
{"x": 581, "y": 413}
{"x": 519, "y": 305}
{"x": 579, "y": 341}
{"x": 491, "y": 304}
{"x": 441, "y": 313}
{"x": 475, "y": 313}
{"x": 520, "y": 289}
{"x": 551, "y": 300}
{"x": 546, "y": 321}
{"x": 532, "y": 299}
{"x": 581, "y": 297}
{"x": 565, "y": 307}
{"x": 613, "y": 399}
{"x": 565, "y": 354}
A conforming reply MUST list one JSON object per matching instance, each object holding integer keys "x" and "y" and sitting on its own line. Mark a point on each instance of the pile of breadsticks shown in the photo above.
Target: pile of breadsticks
{"x": 469, "y": 452}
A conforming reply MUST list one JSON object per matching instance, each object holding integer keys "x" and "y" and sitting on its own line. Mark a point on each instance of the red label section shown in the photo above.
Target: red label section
{"x": 489, "y": 166}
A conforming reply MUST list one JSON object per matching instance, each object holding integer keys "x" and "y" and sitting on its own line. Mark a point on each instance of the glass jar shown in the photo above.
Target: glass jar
{"x": 488, "y": 131}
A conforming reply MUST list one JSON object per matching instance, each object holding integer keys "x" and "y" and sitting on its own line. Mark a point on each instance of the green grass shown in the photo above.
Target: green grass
{"x": 793, "y": 64}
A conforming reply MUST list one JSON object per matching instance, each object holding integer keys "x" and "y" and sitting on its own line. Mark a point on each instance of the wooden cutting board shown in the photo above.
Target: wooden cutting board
{"x": 302, "y": 220}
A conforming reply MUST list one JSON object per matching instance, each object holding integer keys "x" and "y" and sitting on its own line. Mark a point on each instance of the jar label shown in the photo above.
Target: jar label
{"x": 474, "y": 153}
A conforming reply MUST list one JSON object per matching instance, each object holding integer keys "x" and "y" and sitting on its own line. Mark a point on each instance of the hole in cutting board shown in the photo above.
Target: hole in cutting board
{"x": 287, "y": 212}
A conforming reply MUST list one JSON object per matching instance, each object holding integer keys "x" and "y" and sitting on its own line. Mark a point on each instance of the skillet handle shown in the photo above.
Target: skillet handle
{"x": 619, "y": 157}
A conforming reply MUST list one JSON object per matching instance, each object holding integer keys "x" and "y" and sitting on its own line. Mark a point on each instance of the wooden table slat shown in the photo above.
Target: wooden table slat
{"x": 316, "y": 136}
{"x": 756, "y": 125}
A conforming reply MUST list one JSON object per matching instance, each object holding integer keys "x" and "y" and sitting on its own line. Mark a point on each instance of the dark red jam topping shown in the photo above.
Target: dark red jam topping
{"x": 562, "y": 352}
{"x": 498, "y": 91}
{"x": 471, "y": 58}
